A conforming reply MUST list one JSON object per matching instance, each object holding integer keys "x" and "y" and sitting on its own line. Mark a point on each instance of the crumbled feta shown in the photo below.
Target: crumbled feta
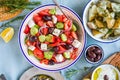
{"x": 76, "y": 44}
{"x": 59, "y": 58}
{"x": 31, "y": 23}
{"x": 43, "y": 46}
{"x": 56, "y": 32}
{"x": 54, "y": 19}
{"x": 31, "y": 48}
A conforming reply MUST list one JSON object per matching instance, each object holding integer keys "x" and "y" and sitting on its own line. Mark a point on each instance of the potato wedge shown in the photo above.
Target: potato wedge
{"x": 110, "y": 22}
{"x": 99, "y": 24}
{"x": 117, "y": 24}
{"x": 115, "y": 7}
{"x": 92, "y": 12}
{"x": 91, "y": 25}
{"x": 117, "y": 32}
{"x": 97, "y": 34}
{"x": 103, "y": 30}
{"x": 108, "y": 34}
{"x": 100, "y": 12}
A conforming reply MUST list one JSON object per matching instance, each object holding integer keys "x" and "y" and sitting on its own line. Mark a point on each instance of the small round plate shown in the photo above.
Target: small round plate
{"x": 27, "y": 75}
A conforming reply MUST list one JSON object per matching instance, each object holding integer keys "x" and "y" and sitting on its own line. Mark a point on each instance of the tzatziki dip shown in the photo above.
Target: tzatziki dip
{"x": 105, "y": 72}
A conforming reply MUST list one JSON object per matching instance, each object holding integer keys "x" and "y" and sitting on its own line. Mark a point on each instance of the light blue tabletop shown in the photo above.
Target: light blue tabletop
{"x": 13, "y": 63}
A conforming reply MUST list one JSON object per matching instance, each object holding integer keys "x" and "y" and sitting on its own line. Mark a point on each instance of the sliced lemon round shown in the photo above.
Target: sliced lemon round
{"x": 7, "y": 34}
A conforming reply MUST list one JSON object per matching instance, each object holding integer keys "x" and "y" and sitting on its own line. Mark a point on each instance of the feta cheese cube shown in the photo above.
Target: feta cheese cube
{"x": 31, "y": 23}
{"x": 76, "y": 44}
{"x": 56, "y": 32}
{"x": 43, "y": 46}
{"x": 59, "y": 58}
{"x": 54, "y": 19}
{"x": 31, "y": 48}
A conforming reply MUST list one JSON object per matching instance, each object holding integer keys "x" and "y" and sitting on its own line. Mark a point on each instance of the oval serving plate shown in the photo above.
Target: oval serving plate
{"x": 27, "y": 75}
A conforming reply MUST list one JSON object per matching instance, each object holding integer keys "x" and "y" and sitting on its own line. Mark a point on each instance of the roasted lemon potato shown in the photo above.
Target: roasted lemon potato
{"x": 104, "y": 19}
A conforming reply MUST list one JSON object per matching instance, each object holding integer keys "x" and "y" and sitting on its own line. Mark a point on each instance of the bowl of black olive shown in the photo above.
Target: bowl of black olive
{"x": 94, "y": 54}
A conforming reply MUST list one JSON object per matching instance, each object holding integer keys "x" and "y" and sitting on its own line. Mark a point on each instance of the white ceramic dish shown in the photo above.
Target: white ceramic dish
{"x": 108, "y": 70}
{"x": 27, "y": 75}
{"x": 85, "y": 20}
{"x": 32, "y": 59}
{"x": 101, "y": 56}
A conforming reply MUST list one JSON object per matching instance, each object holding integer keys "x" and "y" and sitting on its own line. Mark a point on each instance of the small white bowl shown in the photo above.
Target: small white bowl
{"x": 85, "y": 20}
{"x": 97, "y": 62}
{"x": 32, "y": 59}
{"x": 106, "y": 70}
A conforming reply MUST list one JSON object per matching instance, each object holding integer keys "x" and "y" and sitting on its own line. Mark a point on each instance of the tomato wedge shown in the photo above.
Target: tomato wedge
{"x": 50, "y": 24}
{"x": 38, "y": 53}
{"x": 44, "y": 61}
{"x": 44, "y": 12}
{"x": 74, "y": 35}
{"x": 27, "y": 29}
{"x": 37, "y": 18}
{"x": 40, "y": 23}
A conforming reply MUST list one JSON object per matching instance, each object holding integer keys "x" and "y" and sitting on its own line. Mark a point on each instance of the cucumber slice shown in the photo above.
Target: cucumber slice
{"x": 60, "y": 25}
{"x": 33, "y": 31}
{"x": 30, "y": 52}
{"x": 63, "y": 37}
{"x": 52, "y": 11}
{"x": 36, "y": 26}
{"x": 42, "y": 38}
{"x": 48, "y": 55}
{"x": 49, "y": 37}
{"x": 74, "y": 28}
{"x": 66, "y": 55}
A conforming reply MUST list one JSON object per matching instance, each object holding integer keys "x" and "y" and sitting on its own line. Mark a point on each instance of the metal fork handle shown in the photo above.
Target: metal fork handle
{"x": 56, "y": 3}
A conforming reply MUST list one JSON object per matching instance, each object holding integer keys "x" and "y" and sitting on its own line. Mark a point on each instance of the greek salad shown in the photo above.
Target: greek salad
{"x": 51, "y": 37}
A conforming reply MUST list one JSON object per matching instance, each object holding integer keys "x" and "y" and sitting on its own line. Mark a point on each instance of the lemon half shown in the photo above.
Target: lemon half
{"x": 7, "y": 34}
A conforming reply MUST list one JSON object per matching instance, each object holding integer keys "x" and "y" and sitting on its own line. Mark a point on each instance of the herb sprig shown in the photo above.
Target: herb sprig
{"x": 71, "y": 72}
{"x": 15, "y": 5}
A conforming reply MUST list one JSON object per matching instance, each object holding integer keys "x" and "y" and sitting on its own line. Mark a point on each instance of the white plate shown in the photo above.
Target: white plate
{"x": 35, "y": 71}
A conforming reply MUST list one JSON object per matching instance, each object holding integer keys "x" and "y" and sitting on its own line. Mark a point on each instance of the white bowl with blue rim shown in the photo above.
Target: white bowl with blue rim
{"x": 32, "y": 59}
{"x": 88, "y": 30}
{"x": 102, "y": 54}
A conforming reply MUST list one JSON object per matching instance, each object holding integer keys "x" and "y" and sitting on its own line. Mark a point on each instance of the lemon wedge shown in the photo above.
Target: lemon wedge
{"x": 7, "y": 34}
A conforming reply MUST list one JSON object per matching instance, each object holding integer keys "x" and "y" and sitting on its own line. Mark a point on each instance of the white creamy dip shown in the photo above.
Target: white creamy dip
{"x": 109, "y": 70}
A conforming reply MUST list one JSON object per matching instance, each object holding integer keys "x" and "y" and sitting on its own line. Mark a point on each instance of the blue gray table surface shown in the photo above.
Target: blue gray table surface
{"x": 13, "y": 63}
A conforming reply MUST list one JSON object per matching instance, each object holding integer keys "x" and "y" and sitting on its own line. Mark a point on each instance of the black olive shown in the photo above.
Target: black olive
{"x": 56, "y": 49}
{"x": 91, "y": 54}
{"x": 98, "y": 51}
{"x": 51, "y": 62}
{"x": 47, "y": 18}
{"x": 91, "y": 48}
{"x": 32, "y": 38}
{"x": 89, "y": 58}
{"x": 98, "y": 57}
{"x": 50, "y": 30}
{"x": 106, "y": 77}
{"x": 67, "y": 46}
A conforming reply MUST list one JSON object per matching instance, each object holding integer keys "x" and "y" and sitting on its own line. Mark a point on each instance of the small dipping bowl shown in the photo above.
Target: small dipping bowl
{"x": 94, "y": 54}
{"x": 106, "y": 72}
